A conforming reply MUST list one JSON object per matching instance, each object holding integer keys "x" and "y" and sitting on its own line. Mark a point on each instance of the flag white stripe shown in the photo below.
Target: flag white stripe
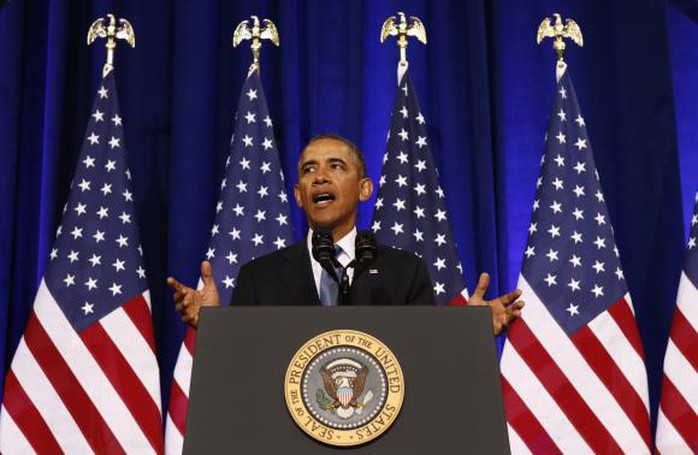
{"x": 592, "y": 390}
{"x": 146, "y": 296}
{"x": 682, "y": 374}
{"x": 174, "y": 439}
{"x": 541, "y": 403}
{"x": 174, "y": 442}
{"x": 47, "y": 402}
{"x": 182, "y": 371}
{"x": 668, "y": 440}
{"x": 686, "y": 299}
{"x": 89, "y": 374}
{"x": 135, "y": 349}
{"x": 516, "y": 444}
{"x": 12, "y": 440}
{"x": 622, "y": 352}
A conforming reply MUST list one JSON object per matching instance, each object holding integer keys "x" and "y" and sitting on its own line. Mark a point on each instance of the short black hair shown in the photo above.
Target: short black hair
{"x": 348, "y": 143}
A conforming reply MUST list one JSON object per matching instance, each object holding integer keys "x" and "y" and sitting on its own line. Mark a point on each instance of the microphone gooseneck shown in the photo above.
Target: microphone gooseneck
{"x": 365, "y": 249}
{"x": 324, "y": 252}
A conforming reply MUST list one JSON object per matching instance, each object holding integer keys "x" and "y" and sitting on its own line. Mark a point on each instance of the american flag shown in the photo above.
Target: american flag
{"x": 252, "y": 219}
{"x": 410, "y": 211}
{"x": 84, "y": 377}
{"x": 573, "y": 371}
{"x": 677, "y": 422}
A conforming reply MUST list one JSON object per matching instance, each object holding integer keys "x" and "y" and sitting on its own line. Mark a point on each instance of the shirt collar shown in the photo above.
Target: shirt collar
{"x": 347, "y": 243}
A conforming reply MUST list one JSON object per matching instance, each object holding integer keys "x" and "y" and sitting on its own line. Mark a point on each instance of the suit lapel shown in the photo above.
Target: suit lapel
{"x": 298, "y": 275}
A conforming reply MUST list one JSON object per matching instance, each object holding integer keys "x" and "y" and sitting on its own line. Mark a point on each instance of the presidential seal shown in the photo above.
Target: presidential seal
{"x": 344, "y": 388}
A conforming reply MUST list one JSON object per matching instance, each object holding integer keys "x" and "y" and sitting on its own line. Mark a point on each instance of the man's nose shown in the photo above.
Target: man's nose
{"x": 321, "y": 175}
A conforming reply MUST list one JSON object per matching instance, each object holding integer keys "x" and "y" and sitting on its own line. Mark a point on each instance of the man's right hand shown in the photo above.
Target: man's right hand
{"x": 188, "y": 301}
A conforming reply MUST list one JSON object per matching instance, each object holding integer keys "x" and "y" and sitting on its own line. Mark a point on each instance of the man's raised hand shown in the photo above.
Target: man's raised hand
{"x": 188, "y": 301}
{"x": 505, "y": 309}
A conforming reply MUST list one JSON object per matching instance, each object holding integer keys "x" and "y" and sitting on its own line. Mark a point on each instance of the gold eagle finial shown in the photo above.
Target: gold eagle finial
{"x": 256, "y": 33}
{"x": 402, "y": 30}
{"x": 560, "y": 32}
{"x": 111, "y": 32}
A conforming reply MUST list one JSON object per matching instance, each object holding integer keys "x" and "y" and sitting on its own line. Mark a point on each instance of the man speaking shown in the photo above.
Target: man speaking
{"x": 333, "y": 265}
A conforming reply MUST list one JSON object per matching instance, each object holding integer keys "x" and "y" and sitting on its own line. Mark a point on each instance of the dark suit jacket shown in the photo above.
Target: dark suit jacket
{"x": 285, "y": 277}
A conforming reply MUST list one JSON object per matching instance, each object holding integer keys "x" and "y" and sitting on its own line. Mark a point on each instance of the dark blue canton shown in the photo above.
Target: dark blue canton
{"x": 410, "y": 211}
{"x": 691, "y": 263}
{"x": 252, "y": 213}
{"x": 571, "y": 259}
{"x": 96, "y": 264}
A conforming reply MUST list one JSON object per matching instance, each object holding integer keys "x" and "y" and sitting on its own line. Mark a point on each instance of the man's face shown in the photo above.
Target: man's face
{"x": 330, "y": 186}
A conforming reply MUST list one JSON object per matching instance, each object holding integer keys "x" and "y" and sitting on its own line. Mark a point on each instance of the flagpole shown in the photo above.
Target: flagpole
{"x": 111, "y": 32}
{"x": 255, "y": 33}
{"x": 560, "y": 32}
{"x": 402, "y": 30}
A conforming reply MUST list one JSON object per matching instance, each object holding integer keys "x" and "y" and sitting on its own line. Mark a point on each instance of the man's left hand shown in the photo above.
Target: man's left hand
{"x": 505, "y": 308}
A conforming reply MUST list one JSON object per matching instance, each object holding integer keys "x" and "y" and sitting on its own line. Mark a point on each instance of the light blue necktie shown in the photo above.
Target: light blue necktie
{"x": 329, "y": 289}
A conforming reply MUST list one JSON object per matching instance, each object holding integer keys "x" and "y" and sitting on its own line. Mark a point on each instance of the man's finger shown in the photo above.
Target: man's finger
{"x": 482, "y": 284}
{"x": 191, "y": 318}
{"x": 207, "y": 273}
{"x": 174, "y": 284}
{"x": 511, "y": 317}
{"x": 509, "y": 297}
{"x": 514, "y": 311}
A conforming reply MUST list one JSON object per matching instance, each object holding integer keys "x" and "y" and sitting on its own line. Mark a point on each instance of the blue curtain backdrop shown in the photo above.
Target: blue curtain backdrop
{"x": 485, "y": 89}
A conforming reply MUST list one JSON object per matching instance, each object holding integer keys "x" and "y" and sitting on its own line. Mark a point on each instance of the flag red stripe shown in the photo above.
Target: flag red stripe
{"x": 563, "y": 392}
{"x": 623, "y": 315}
{"x": 27, "y": 418}
{"x": 179, "y": 400}
{"x": 679, "y": 413}
{"x": 178, "y": 407}
{"x": 76, "y": 400}
{"x": 139, "y": 313}
{"x": 190, "y": 340}
{"x": 126, "y": 383}
{"x": 526, "y": 423}
{"x": 458, "y": 300}
{"x": 616, "y": 382}
{"x": 685, "y": 337}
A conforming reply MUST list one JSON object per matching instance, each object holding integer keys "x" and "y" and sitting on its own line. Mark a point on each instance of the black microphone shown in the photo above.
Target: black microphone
{"x": 324, "y": 252}
{"x": 364, "y": 251}
{"x": 365, "y": 248}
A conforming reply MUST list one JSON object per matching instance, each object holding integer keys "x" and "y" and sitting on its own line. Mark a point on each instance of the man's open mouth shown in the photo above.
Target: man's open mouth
{"x": 322, "y": 199}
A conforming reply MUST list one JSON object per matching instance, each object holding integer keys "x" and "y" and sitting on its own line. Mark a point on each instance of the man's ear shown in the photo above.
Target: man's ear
{"x": 297, "y": 195}
{"x": 365, "y": 189}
